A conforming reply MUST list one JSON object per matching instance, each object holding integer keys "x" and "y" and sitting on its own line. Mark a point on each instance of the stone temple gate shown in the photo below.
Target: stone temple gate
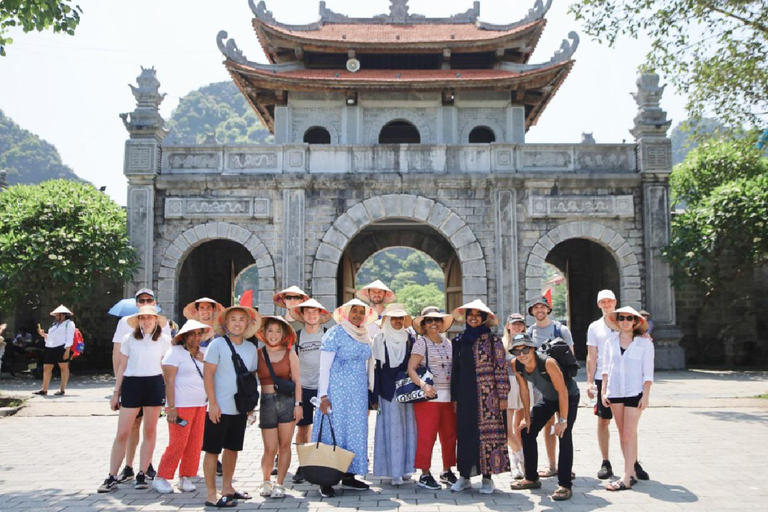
{"x": 401, "y": 130}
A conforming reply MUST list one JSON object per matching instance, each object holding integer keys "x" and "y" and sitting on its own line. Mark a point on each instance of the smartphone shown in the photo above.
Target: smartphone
{"x": 180, "y": 422}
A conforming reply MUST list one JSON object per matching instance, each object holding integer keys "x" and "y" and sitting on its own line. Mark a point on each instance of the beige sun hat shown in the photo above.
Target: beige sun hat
{"x": 191, "y": 325}
{"x": 641, "y": 324}
{"x": 289, "y": 335}
{"x": 190, "y": 310}
{"x": 325, "y": 315}
{"x": 432, "y": 312}
{"x": 395, "y": 310}
{"x": 219, "y": 324}
{"x": 342, "y": 312}
{"x": 389, "y": 295}
{"x": 279, "y": 297}
{"x": 61, "y": 310}
{"x": 460, "y": 313}
{"x": 133, "y": 320}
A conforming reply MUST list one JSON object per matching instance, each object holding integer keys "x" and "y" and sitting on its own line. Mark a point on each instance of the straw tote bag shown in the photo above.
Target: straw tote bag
{"x": 324, "y": 464}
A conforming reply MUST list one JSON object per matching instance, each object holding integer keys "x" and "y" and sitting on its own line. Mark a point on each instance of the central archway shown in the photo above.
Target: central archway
{"x": 399, "y": 220}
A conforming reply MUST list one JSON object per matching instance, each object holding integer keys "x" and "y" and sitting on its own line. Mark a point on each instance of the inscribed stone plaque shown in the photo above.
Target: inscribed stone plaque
{"x": 556, "y": 160}
{"x": 657, "y": 157}
{"x": 581, "y": 206}
{"x": 217, "y": 208}
{"x": 140, "y": 159}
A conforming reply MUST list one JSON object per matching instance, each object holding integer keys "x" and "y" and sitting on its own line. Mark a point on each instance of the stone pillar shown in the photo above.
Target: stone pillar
{"x": 516, "y": 124}
{"x": 293, "y": 239}
{"x": 654, "y": 152}
{"x": 141, "y": 165}
{"x": 350, "y": 125}
{"x": 508, "y": 290}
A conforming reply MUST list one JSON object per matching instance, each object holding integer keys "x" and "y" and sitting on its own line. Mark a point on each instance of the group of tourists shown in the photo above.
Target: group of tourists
{"x": 486, "y": 396}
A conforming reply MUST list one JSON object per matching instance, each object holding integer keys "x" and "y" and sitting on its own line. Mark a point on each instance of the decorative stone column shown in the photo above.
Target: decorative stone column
{"x": 654, "y": 152}
{"x": 141, "y": 165}
{"x": 507, "y": 269}
{"x": 293, "y": 238}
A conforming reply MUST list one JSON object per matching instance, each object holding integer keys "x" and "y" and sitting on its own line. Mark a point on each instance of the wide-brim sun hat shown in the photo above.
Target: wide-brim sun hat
{"x": 389, "y": 295}
{"x": 289, "y": 335}
{"x": 460, "y": 313}
{"x": 641, "y": 324}
{"x": 279, "y": 297}
{"x": 432, "y": 312}
{"x": 191, "y": 325}
{"x": 395, "y": 310}
{"x": 325, "y": 315}
{"x": 539, "y": 300}
{"x": 219, "y": 325}
{"x": 133, "y": 320}
{"x": 190, "y": 310}
{"x": 341, "y": 313}
{"x": 61, "y": 310}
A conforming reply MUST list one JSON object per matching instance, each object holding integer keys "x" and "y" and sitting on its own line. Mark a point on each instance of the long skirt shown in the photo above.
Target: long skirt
{"x": 394, "y": 449}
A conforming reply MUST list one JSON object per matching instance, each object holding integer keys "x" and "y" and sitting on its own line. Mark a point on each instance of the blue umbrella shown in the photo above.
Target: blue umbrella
{"x": 126, "y": 307}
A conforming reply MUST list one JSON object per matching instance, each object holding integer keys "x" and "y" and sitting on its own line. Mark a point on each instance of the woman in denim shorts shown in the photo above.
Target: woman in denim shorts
{"x": 278, "y": 412}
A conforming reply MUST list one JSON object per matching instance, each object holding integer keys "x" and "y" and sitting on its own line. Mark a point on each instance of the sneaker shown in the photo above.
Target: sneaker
{"x": 141, "y": 481}
{"x": 447, "y": 477}
{"x": 162, "y": 486}
{"x": 126, "y": 475}
{"x": 606, "y": 471}
{"x": 353, "y": 483}
{"x": 461, "y": 484}
{"x": 326, "y": 491}
{"x": 298, "y": 476}
{"x": 517, "y": 474}
{"x": 266, "y": 489}
{"x": 488, "y": 486}
{"x": 640, "y": 472}
{"x": 278, "y": 491}
{"x": 428, "y": 482}
{"x": 185, "y": 484}
{"x": 151, "y": 473}
{"x": 219, "y": 468}
{"x": 109, "y": 485}
{"x": 397, "y": 481}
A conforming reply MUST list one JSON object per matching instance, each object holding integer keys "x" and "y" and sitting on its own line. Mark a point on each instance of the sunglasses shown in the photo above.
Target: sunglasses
{"x": 429, "y": 320}
{"x": 293, "y": 297}
{"x": 622, "y": 318}
{"x": 524, "y": 350}
{"x": 145, "y": 301}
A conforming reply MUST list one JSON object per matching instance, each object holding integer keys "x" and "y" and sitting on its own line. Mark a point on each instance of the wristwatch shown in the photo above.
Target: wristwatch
{"x": 299, "y": 404}
{"x": 561, "y": 421}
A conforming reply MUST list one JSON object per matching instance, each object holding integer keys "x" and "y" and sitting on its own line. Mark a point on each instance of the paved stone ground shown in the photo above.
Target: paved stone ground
{"x": 704, "y": 442}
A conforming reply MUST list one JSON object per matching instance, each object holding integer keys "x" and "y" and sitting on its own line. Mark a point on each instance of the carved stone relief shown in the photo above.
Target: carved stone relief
{"x": 252, "y": 161}
{"x": 581, "y": 206}
{"x": 546, "y": 159}
{"x": 217, "y": 208}
{"x": 193, "y": 160}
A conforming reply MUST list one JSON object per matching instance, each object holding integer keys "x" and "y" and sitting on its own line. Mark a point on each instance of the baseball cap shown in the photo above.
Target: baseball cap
{"x": 145, "y": 291}
{"x": 605, "y": 294}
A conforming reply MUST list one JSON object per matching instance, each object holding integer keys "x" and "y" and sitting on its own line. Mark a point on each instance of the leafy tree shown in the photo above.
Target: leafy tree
{"x": 416, "y": 297}
{"x": 27, "y": 157}
{"x": 62, "y": 240}
{"x": 687, "y": 136}
{"x": 713, "y": 50}
{"x": 29, "y": 15}
{"x": 219, "y": 109}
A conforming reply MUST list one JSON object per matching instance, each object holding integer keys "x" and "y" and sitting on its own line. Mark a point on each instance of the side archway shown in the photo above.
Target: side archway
{"x": 418, "y": 209}
{"x": 467, "y": 129}
{"x": 374, "y": 129}
{"x": 182, "y": 246}
{"x": 630, "y": 293}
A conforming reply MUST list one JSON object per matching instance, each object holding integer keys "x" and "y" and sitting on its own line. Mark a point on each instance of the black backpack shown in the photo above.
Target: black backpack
{"x": 561, "y": 352}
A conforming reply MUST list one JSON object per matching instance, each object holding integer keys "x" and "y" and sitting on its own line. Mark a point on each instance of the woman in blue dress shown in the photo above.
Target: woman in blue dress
{"x": 346, "y": 376}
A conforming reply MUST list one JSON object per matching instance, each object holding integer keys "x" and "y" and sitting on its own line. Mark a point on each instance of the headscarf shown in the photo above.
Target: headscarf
{"x": 396, "y": 345}
{"x": 471, "y": 334}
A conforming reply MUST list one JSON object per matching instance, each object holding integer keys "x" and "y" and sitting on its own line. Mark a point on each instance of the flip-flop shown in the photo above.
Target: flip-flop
{"x": 520, "y": 485}
{"x": 224, "y": 502}
{"x": 59, "y": 393}
{"x": 618, "y": 485}
{"x": 239, "y": 496}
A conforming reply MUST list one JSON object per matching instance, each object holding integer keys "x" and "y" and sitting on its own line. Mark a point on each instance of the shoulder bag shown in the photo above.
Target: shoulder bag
{"x": 406, "y": 391}
{"x": 283, "y": 386}
{"x": 247, "y": 396}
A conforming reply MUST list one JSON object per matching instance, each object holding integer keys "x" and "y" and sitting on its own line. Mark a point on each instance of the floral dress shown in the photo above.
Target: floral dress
{"x": 348, "y": 394}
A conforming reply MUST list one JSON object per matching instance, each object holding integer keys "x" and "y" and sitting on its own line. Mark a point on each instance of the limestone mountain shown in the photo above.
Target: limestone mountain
{"x": 216, "y": 108}
{"x": 28, "y": 158}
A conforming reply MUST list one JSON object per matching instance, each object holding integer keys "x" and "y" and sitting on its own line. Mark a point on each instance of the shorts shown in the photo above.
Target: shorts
{"x": 514, "y": 400}
{"x": 275, "y": 408}
{"x": 142, "y": 392}
{"x": 601, "y": 411}
{"x": 309, "y": 409}
{"x": 55, "y": 355}
{"x": 227, "y": 434}
{"x": 628, "y": 401}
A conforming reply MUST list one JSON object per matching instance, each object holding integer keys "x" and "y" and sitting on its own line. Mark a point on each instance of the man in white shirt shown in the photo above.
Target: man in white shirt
{"x": 144, "y": 297}
{"x": 597, "y": 336}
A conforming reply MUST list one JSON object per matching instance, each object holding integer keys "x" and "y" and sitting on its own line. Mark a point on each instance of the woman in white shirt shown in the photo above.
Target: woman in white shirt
{"x": 139, "y": 385}
{"x": 185, "y": 407}
{"x": 58, "y": 341}
{"x": 627, "y": 379}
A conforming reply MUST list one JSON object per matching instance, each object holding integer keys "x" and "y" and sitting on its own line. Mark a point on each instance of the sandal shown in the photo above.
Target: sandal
{"x": 562, "y": 494}
{"x": 278, "y": 491}
{"x": 548, "y": 472}
{"x": 59, "y": 393}
{"x": 239, "y": 496}
{"x": 40, "y": 392}
{"x": 618, "y": 485}
{"x": 223, "y": 502}
{"x": 521, "y": 485}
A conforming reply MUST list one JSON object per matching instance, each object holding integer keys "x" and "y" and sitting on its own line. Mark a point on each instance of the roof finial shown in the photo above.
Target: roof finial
{"x": 399, "y": 10}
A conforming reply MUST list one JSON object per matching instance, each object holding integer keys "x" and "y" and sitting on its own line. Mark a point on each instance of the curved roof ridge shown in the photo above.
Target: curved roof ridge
{"x": 537, "y": 12}
{"x": 231, "y": 51}
{"x": 564, "y": 53}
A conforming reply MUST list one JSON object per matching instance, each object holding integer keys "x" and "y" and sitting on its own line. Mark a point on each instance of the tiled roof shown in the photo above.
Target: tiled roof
{"x": 408, "y": 75}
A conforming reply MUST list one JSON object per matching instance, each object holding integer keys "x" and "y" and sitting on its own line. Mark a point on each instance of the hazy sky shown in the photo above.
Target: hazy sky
{"x": 70, "y": 90}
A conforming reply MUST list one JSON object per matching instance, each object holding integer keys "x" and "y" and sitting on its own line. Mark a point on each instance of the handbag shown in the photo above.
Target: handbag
{"x": 324, "y": 464}
{"x": 406, "y": 391}
{"x": 283, "y": 386}
{"x": 247, "y": 396}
